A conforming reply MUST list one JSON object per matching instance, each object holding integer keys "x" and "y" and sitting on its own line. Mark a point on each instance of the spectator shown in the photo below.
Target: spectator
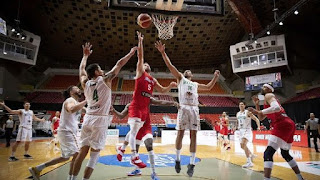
{"x": 313, "y": 124}
{"x": 9, "y": 127}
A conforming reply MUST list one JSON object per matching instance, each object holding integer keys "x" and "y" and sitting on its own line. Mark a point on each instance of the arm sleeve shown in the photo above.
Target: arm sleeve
{"x": 274, "y": 107}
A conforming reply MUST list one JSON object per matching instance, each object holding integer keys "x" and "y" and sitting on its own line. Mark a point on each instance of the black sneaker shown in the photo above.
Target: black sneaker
{"x": 27, "y": 156}
{"x": 178, "y": 166}
{"x": 190, "y": 170}
{"x": 12, "y": 158}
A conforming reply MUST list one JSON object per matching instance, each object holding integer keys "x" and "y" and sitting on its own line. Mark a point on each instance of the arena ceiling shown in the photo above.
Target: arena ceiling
{"x": 200, "y": 41}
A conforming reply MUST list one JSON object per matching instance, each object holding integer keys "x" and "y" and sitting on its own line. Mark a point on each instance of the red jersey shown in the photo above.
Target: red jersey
{"x": 277, "y": 117}
{"x": 224, "y": 129}
{"x": 56, "y": 124}
{"x": 283, "y": 126}
{"x": 142, "y": 92}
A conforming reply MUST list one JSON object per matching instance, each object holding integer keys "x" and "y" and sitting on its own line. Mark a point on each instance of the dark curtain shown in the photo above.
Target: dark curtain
{"x": 300, "y": 111}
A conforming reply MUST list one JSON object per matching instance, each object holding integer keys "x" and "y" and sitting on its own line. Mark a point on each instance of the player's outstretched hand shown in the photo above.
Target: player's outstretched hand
{"x": 173, "y": 84}
{"x": 86, "y": 48}
{"x": 161, "y": 47}
{"x": 140, "y": 36}
{"x": 217, "y": 73}
{"x": 1, "y": 103}
{"x": 177, "y": 105}
{"x": 133, "y": 50}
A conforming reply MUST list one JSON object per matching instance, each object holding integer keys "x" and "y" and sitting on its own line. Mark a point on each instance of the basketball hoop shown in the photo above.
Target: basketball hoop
{"x": 164, "y": 25}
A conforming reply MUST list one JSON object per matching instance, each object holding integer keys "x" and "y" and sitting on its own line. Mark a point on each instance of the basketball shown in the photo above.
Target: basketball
{"x": 144, "y": 20}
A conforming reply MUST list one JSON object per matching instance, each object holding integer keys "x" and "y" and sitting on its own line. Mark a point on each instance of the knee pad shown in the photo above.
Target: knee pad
{"x": 94, "y": 156}
{"x": 268, "y": 154}
{"x": 285, "y": 154}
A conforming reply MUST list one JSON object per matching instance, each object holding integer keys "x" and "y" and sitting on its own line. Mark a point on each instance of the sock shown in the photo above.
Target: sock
{"x": 192, "y": 157}
{"x": 25, "y": 152}
{"x": 12, "y": 154}
{"x": 151, "y": 159}
{"x": 249, "y": 160}
{"x": 266, "y": 178}
{"x": 299, "y": 176}
{"x": 69, "y": 177}
{"x": 134, "y": 154}
{"x": 178, "y": 152}
{"x": 41, "y": 167}
{"x": 123, "y": 147}
{"x": 73, "y": 177}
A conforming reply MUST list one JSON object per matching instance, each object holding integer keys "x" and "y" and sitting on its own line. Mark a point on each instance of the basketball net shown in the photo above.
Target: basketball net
{"x": 165, "y": 25}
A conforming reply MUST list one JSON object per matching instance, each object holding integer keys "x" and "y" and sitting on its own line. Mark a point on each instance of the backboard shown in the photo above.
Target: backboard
{"x": 211, "y": 7}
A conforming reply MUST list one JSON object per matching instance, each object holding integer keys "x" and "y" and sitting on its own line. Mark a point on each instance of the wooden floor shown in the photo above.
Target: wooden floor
{"x": 42, "y": 152}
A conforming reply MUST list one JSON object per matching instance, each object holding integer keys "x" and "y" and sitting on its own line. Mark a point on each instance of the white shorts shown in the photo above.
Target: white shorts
{"x": 246, "y": 133}
{"x": 188, "y": 118}
{"x": 277, "y": 143}
{"x": 24, "y": 134}
{"x": 94, "y": 131}
{"x": 68, "y": 143}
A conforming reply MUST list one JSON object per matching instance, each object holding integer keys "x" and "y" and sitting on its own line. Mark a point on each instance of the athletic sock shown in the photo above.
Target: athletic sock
{"x": 249, "y": 160}
{"x": 192, "y": 157}
{"x": 73, "y": 177}
{"x": 69, "y": 177}
{"x": 12, "y": 154}
{"x": 178, "y": 152}
{"x": 25, "y": 152}
{"x": 41, "y": 167}
{"x": 151, "y": 159}
{"x": 266, "y": 178}
{"x": 123, "y": 147}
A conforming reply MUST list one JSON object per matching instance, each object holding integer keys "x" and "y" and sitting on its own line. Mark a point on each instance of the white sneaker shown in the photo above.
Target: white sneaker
{"x": 248, "y": 165}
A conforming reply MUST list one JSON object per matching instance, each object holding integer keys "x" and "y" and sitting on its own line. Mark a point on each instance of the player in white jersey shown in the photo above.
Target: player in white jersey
{"x": 188, "y": 114}
{"x": 244, "y": 126}
{"x": 97, "y": 90}
{"x": 25, "y": 128}
{"x": 67, "y": 131}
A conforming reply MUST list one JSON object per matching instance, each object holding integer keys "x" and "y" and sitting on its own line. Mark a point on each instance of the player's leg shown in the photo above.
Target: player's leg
{"x": 149, "y": 146}
{"x": 292, "y": 163}
{"x": 28, "y": 139}
{"x": 135, "y": 125}
{"x": 178, "y": 145}
{"x": 121, "y": 149}
{"x": 193, "y": 148}
{"x": 268, "y": 158}
{"x": 247, "y": 151}
{"x": 13, "y": 151}
{"x": 94, "y": 157}
{"x": 78, "y": 161}
{"x": 136, "y": 171}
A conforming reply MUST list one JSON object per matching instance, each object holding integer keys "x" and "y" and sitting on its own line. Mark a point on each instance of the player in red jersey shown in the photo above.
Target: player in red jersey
{"x": 139, "y": 107}
{"x": 217, "y": 128}
{"x": 54, "y": 127}
{"x": 224, "y": 130}
{"x": 281, "y": 134}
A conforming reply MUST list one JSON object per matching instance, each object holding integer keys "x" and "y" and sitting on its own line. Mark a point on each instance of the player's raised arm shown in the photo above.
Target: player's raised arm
{"x": 83, "y": 77}
{"x": 120, "y": 63}
{"x": 210, "y": 85}
{"x": 140, "y": 62}
{"x": 9, "y": 109}
{"x": 161, "y": 48}
{"x": 38, "y": 119}
{"x": 162, "y": 89}
{"x": 255, "y": 119}
{"x": 154, "y": 101}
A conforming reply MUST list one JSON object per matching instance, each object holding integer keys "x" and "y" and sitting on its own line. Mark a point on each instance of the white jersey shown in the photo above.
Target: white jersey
{"x": 98, "y": 96}
{"x": 69, "y": 121}
{"x": 188, "y": 92}
{"x": 244, "y": 122}
{"x": 26, "y": 118}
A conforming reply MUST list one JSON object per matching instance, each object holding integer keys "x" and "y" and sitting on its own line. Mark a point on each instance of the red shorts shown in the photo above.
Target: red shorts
{"x": 55, "y": 131}
{"x": 141, "y": 113}
{"x": 145, "y": 129}
{"x": 224, "y": 131}
{"x": 284, "y": 129}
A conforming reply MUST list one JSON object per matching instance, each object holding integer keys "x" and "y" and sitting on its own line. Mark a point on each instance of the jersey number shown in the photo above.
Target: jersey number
{"x": 95, "y": 95}
{"x": 149, "y": 87}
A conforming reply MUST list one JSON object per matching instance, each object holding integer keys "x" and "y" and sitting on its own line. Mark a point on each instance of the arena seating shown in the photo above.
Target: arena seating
{"x": 125, "y": 99}
{"x": 128, "y": 85}
{"x": 45, "y": 97}
{"x": 309, "y": 94}
{"x": 214, "y": 101}
{"x": 61, "y": 82}
{"x": 165, "y": 97}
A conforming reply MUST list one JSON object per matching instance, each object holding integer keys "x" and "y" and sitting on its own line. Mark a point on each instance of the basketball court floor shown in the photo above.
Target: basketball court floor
{"x": 213, "y": 162}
